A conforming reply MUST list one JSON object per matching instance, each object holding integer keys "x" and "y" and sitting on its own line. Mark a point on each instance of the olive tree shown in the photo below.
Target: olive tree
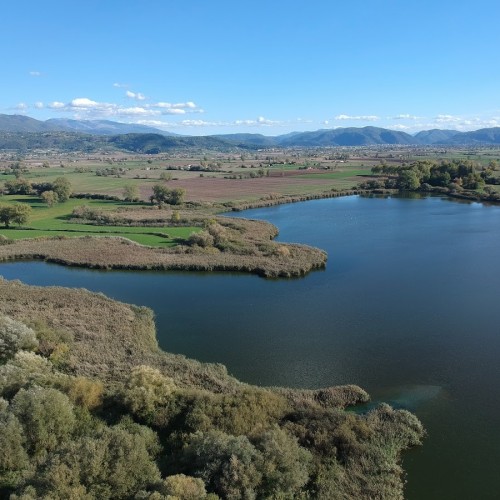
{"x": 17, "y": 213}
{"x": 162, "y": 194}
{"x": 62, "y": 187}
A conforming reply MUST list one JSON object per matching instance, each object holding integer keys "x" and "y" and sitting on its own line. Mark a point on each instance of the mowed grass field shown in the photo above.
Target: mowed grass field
{"x": 55, "y": 221}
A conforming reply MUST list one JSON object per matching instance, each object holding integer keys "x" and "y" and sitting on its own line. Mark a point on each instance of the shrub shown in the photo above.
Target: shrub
{"x": 227, "y": 464}
{"x": 146, "y": 389}
{"x": 111, "y": 464}
{"x": 202, "y": 239}
{"x": 286, "y": 465}
{"x": 85, "y": 392}
{"x": 46, "y": 416}
{"x": 13, "y": 457}
{"x": 15, "y": 336}
{"x": 25, "y": 369}
{"x": 182, "y": 487}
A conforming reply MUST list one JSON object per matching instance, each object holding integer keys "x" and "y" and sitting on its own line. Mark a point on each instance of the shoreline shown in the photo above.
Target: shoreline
{"x": 277, "y": 260}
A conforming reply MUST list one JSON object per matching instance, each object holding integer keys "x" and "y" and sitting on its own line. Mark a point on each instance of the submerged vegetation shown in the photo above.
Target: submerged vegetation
{"x": 91, "y": 408}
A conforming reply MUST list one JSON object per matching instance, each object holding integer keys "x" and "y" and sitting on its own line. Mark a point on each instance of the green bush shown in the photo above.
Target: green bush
{"x": 46, "y": 416}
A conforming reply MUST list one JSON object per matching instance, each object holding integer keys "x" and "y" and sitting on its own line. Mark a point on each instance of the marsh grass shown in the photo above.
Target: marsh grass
{"x": 241, "y": 440}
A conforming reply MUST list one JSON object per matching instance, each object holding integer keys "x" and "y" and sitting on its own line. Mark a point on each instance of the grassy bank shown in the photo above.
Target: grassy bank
{"x": 128, "y": 420}
{"x": 57, "y": 220}
{"x": 225, "y": 245}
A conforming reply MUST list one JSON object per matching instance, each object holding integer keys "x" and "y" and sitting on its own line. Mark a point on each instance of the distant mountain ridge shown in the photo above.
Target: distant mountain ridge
{"x": 104, "y": 127}
{"x": 135, "y": 137}
{"x": 22, "y": 123}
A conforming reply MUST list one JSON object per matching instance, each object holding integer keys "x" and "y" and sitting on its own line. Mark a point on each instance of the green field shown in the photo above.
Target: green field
{"x": 55, "y": 221}
{"x": 338, "y": 175}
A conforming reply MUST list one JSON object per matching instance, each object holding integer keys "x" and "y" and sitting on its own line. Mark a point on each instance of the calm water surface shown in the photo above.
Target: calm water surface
{"x": 408, "y": 308}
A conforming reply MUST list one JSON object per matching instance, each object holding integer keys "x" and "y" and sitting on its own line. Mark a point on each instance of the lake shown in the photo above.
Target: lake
{"x": 408, "y": 308}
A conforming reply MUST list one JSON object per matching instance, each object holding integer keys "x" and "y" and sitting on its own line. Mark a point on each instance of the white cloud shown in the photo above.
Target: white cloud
{"x": 245, "y": 122}
{"x": 400, "y": 126}
{"x": 200, "y": 123}
{"x": 22, "y": 106}
{"x": 326, "y": 122}
{"x": 260, "y": 121}
{"x": 56, "y": 105}
{"x": 264, "y": 121}
{"x": 173, "y": 111}
{"x": 120, "y": 85}
{"x": 405, "y": 116}
{"x": 135, "y": 111}
{"x": 368, "y": 118}
{"x": 39, "y": 105}
{"x": 84, "y": 102}
{"x": 152, "y": 123}
{"x": 182, "y": 105}
{"x": 179, "y": 105}
{"x": 35, "y": 73}
{"x": 135, "y": 95}
{"x": 447, "y": 119}
{"x": 166, "y": 105}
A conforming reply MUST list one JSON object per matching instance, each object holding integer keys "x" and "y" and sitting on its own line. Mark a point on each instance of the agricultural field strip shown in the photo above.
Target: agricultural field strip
{"x": 53, "y": 221}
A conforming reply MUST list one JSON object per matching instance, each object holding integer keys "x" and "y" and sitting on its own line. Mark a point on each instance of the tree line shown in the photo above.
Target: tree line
{"x": 455, "y": 175}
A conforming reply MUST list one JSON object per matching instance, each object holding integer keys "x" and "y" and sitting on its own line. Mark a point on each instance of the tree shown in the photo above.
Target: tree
{"x": 13, "y": 457}
{"x": 166, "y": 176}
{"x": 50, "y": 198}
{"x": 285, "y": 466}
{"x": 227, "y": 464}
{"x": 46, "y": 416}
{"x": 161, "y": 194}
{"x": 112, "y": 463}
{"x": 176, "y": 196}
{"x": 16, "y": 213}
{"x": 18, "y": 186}
{"x": 131, "y": 192}
{"x": 62, "y": 187}
{"x": 408, "y": 180}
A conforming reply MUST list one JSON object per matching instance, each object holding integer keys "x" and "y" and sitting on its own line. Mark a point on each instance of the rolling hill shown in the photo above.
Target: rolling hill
{"x": 22, "y": 133}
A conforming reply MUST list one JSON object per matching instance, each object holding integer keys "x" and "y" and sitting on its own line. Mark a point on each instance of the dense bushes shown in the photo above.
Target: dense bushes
{"x": 149, "y": 435}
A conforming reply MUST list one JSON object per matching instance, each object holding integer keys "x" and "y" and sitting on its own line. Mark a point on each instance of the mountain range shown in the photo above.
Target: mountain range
{"x": 141, "y": 138}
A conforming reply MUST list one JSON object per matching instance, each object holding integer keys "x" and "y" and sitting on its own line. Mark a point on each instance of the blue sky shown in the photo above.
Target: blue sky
{"x": 200, "y": 67}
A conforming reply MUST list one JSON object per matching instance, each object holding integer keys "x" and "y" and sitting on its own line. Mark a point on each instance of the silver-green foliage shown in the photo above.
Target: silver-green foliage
{"x": 47, "y": 418}
{"x": 15, "y": 336}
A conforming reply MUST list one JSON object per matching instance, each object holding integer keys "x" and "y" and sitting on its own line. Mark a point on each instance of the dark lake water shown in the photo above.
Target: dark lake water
{"x": 408, "y": 308}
